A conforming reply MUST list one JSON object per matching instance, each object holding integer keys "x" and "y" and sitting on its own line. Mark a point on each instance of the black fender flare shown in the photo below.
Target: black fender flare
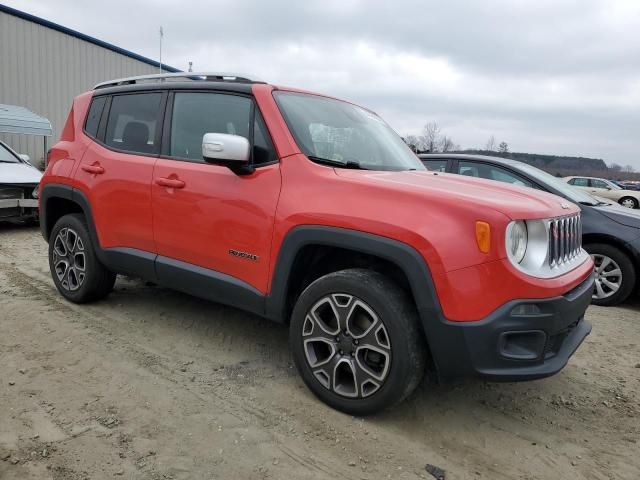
{"x": 407, "y": 258}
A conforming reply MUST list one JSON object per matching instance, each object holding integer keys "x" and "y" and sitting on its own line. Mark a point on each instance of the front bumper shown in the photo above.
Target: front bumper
{"x": 522, "y": 340}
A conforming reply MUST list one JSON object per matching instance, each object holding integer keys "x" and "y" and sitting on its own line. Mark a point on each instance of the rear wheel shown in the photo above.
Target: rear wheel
{"x": 77, "y": 273}
{"x": 615, "y": 274}
{"x": 628, "y": 202}
{"x": 356, "y": 341}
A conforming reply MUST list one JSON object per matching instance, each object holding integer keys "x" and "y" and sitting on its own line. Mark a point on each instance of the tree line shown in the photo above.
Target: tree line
{"x": 433, "y": 140}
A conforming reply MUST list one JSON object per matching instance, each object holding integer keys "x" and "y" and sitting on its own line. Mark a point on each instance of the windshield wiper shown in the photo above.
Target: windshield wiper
{"x": 336, "y": 163}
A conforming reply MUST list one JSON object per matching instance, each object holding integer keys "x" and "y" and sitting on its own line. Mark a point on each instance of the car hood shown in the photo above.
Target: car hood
{"x": 19, "y": 173}
{"x": 621, "y": 215}
{"x": 513, "y": 201}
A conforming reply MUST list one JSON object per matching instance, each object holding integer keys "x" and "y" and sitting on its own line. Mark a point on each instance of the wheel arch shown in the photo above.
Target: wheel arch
{"x": 331, "y": 244}
{"x": 616, "y": 242}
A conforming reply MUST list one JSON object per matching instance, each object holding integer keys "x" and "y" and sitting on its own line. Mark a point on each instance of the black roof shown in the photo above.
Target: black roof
{"x": 86, "y": 38}
{"x": 235, "y": 87}
{"x": 469, "y": 156}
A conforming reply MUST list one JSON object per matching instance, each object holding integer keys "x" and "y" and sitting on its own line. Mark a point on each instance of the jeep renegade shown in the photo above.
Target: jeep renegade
{"x": 311, "y": 211}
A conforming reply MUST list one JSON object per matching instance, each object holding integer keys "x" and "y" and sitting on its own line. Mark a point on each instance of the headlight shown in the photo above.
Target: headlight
{"x": 516, "y": 241}
{"x": 545, "y": 248}
{"x": 34, "y": 193}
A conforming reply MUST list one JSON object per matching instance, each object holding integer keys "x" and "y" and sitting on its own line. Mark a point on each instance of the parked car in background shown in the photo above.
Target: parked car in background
{"x": 610, "y": 233}
{"x": 311, "y": 211}
{"x": 18, "y": 186}
{"x": 628, "y": 185}
{"x": 607, "y": 189}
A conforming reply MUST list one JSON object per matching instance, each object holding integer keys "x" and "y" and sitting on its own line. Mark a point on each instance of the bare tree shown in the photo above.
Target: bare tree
{"x": 614, "y": 167}
{"x": 491, "y": 144}
{"x": 628, "y": 169}
{"x": 447, "y": 144}
{"x": 503, "y": 147}
{"x": 413, "y": 141}
{"x": 431, "y": 137}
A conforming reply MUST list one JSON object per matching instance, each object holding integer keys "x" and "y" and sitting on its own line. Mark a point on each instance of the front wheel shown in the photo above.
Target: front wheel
{"x": 615, "y": 274}
{"x": 628, "y": 202}
{"x": 356, "y": 341}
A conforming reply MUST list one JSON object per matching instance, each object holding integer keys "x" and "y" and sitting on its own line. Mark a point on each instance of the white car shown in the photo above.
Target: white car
{"x": 601, "y": 187}
{"x": 18, "y": 186}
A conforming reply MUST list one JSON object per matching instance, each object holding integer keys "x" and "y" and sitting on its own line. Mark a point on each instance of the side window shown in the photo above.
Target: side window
{"x": 93, "y": 117}
{"x": 491, "y": 172}
{"x": 263, "y": 150}
{"x": 436, "y": 165}
{"x": 598, "y": 184}
{"x": 132, "y": 122}
{"x": 195, "y": 114}
{"x": 579, "y": 182}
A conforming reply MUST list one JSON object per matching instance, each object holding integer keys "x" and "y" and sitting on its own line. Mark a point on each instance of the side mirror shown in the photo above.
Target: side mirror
{"x": 25, "y": 158}
{"x": 232, "y": 151}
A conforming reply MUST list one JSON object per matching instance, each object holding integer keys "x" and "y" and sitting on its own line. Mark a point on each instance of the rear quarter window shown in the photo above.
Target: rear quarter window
{"x": 93, "y": 117}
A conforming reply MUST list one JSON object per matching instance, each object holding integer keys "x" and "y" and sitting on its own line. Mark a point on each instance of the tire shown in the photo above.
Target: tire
{"x": 628, "y": 202}
{"x": 78, "y": 274}
{"x": 614, "y": 260}
{"x": 379, "y": 315}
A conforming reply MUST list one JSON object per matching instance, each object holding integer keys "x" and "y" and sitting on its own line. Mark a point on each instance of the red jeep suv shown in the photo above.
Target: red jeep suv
{"x": 311, "y": 211}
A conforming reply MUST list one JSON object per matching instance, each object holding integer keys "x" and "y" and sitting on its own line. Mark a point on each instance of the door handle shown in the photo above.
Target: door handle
{"x": 170, "y": 182}
{"x": 94, "y": 169}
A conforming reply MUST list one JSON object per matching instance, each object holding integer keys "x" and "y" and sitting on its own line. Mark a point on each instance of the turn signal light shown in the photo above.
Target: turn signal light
{"x": 483, "y": 236}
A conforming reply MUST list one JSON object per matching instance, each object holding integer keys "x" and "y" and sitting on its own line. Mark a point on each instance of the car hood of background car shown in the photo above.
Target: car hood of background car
{"x": 513, "y": 201}
{"x": 19, "y": 173}
{"x": 622, "y": 215}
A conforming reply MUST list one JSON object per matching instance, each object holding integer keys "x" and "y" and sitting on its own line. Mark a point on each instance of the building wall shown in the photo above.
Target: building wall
{"x": 43, "y": 70}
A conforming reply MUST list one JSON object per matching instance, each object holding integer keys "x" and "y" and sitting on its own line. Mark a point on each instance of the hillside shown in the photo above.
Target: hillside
{"x": 550, "y": 162}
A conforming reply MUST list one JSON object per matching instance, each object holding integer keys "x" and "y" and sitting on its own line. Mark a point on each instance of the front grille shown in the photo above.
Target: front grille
{"x": 565, "y": 239}
{"x": 9, "y": 193}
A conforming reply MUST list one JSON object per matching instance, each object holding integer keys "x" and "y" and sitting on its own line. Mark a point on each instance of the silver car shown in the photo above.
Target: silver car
{"x": 18, "y": 186}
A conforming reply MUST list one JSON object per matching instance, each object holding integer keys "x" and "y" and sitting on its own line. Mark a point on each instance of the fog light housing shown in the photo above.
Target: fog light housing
{"x": 522, "y": 345}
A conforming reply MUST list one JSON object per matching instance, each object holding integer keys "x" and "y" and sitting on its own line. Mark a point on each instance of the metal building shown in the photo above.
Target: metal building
{"x": 44, "y": 65}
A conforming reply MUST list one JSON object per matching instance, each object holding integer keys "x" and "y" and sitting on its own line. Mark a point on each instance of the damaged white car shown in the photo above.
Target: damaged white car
{"x": 18, "y": 186}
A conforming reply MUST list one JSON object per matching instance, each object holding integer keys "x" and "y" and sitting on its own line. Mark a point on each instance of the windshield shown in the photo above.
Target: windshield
{"x": 572, "y": 193}
{"x": 341, "y": 134}
{"x": 6, "y": 156}
{"x": 614, "y": 186}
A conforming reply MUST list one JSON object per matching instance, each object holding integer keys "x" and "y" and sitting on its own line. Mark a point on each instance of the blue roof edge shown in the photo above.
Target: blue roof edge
{"x": 86, "y": 38}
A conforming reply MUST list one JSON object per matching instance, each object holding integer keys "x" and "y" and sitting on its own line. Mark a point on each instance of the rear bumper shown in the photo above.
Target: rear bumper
{"x": 522, "y": 340}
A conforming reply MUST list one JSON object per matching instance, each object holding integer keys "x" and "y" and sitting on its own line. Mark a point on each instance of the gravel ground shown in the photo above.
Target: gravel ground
{"x": 153, "y": 384}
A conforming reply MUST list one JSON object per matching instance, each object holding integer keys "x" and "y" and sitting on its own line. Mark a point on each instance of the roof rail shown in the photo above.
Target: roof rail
{"x": 194, "y": 76}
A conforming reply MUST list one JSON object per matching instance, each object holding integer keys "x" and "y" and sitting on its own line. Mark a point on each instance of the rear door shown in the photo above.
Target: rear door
{"x": 115, "y": 172}
{"x": 211, "y": 221}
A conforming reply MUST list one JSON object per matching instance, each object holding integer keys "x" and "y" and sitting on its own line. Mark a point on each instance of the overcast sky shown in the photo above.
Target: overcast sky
{"x": 546, "y": 76}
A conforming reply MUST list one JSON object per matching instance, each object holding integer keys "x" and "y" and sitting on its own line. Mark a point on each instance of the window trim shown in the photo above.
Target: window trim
{"x": 165, "y": 147}
{"x": 106, "y": 111}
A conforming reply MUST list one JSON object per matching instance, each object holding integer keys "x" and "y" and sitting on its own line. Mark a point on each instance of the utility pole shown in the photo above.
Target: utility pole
{"x": 161, "y": 35}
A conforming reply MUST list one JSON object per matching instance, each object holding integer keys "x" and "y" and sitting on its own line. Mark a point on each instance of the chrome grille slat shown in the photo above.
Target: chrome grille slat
{"x": 565, "y": 240}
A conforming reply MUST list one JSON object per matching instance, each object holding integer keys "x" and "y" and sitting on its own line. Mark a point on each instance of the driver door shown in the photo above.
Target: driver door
{"x": 600, "y": 188}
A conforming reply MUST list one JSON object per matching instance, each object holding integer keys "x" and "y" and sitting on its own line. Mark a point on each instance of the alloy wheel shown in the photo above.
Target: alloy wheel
{"x": 608, "y": 276}
{"x": 69, "y": 260}
{"x": 346, "y": 346}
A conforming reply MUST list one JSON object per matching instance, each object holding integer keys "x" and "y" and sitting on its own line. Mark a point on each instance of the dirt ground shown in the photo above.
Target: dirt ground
{"x": 153, "y": 384}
